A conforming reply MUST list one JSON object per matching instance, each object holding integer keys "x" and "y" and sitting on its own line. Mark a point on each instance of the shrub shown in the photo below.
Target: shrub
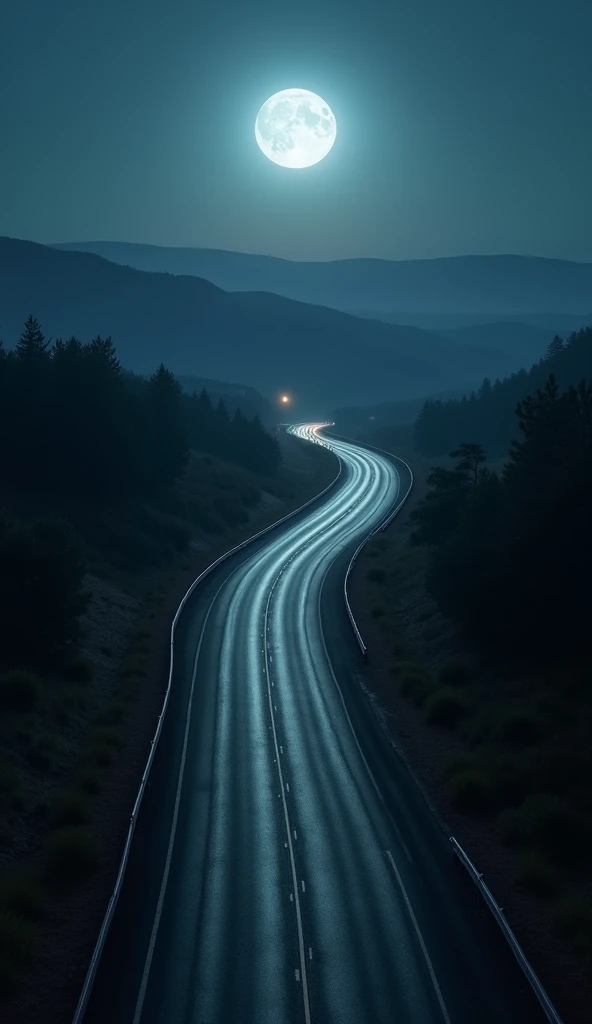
{"x": 510, "y": 779}
{"x": 574, "y": 919}
{"x": 10, "y": 785}
{"x": 43, "y": 752}
{"x": 518, "y": 727}
{"x": 22, "y": 894}
{"x": 376, "y": 574}
{"x": 471, "y": 791}
{"x": 78, "y": 669}
{"x": 545, "y": 824}
{"x": 453, "y": 674}
{"x": 109, "y": 738}
{"x": 112, "y": 715}
{"x": 413, "y": 684}
{"x": 534, "y": 873}
{"x": 457, "y": 763}
{"x": 102, "y": 756}
{"x": 102, "y": 744}
{"x": 90, "y": 781}
{"x": 72, "y": 853}
{"x": 70, "y": 808}
{"x": 16, "y": 948}
{"x": 445, "y": 708}
{"x": 19, "y": 690}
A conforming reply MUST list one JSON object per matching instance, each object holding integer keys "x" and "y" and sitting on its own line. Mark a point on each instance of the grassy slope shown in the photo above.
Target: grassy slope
{"x": 73, "y": 751}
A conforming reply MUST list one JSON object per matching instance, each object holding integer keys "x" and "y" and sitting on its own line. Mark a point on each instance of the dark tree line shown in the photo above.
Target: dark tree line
{"x": 238, "y": 439}
{"x": 488, "y": 414}
{"x": 72, "y": 421}
{"x": 511, "y": 557}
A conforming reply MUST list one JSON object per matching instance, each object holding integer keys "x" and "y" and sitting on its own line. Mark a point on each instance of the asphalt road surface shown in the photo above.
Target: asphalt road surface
{"x": 285, "y": 867}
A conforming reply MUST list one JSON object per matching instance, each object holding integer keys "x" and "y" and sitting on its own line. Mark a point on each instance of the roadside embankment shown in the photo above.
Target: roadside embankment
{"x": 498, "y": 749}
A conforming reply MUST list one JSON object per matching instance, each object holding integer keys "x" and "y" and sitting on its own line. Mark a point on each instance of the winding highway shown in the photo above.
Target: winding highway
{"x": 285, "y": 868}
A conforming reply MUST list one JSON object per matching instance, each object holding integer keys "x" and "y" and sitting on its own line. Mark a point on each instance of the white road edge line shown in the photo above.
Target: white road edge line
{"x": 288, "y": 833}
{"x": 382, "y": 800}
{"x": 169, "y": 857}
{"x": 426, "y": 955}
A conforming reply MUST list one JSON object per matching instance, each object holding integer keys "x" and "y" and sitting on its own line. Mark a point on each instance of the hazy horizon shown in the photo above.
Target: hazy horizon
{"x": 290, "y": 259}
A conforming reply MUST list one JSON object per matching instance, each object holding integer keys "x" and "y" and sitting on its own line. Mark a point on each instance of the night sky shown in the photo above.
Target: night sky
{"x": 463, "y": 126}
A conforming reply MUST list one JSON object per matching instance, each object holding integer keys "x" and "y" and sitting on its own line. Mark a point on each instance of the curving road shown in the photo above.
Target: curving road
{"x": 285, "y": 868}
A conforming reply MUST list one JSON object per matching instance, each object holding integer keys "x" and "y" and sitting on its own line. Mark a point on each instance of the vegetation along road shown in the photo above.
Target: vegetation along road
{"x": 285, "y": 867}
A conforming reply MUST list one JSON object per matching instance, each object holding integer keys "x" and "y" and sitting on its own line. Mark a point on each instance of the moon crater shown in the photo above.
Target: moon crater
{"x": 295, "y": 128}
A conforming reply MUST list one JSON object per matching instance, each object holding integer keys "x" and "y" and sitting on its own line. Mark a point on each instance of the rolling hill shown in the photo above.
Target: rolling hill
{"x": 322, "y": 356}
{"x": 494, "y": 285}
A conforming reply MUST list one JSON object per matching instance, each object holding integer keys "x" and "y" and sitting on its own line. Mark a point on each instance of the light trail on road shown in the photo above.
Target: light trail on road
{"x": 279, "y": 875}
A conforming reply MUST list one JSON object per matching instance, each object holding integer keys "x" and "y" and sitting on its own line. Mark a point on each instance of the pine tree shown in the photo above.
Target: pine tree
{"x": 470, "y": 458}
{"x": 102, "y": 351}
{"x": 221, "y": 431}
{"x": 555, "y": 347}
{"x": 167, "y": 426}
{"x": 31, "y": 344}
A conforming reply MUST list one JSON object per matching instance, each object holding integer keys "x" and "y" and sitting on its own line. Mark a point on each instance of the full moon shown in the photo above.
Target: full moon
{"x": 295, "y": 128}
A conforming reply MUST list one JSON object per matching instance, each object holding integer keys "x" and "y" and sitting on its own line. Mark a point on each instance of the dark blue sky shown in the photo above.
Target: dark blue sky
{"x": 463, "y": 126}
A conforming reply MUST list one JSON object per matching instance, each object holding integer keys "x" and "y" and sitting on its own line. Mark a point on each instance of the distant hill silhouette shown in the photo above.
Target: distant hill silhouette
{"x": 504, "y": 284}
{"x": 555, "y": 323}
{"x": 528, "y": 343}
{"x": 322, "y": 356}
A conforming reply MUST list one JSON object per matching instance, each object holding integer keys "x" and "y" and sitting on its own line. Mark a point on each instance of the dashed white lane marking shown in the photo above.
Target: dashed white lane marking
{"x": 291, "y": 897}
{"x": 295, "y": 836}
{"x": 297, "y": 974}
{"x": 357, "y": 742}
{"x": 294, "y": 895}
{"x": 310, "y": 952}
{"x": 419, "y": 938}
{"x": 303, "y": 886}
{"x": 281, "y": 749}
{"x": 287, "y": 787}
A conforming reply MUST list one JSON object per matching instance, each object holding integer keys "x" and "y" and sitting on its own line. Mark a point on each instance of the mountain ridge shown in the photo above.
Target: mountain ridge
{"x": 491, "y": 284}
{"x": 266, "y": 341}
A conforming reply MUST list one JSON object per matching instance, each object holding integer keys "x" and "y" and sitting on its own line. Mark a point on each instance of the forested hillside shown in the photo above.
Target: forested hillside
{"x": 78, "y": 424}
{"x": 486, "y": 620}
{"x": 487, "y": 416}
{"x": 108, "y": 448}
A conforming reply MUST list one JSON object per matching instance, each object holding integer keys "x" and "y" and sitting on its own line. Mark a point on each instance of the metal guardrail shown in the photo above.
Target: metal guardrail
{"x": 114, "y": 898}
{"x": 546, "y": 1004}
{"x": 377, "y": 529}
